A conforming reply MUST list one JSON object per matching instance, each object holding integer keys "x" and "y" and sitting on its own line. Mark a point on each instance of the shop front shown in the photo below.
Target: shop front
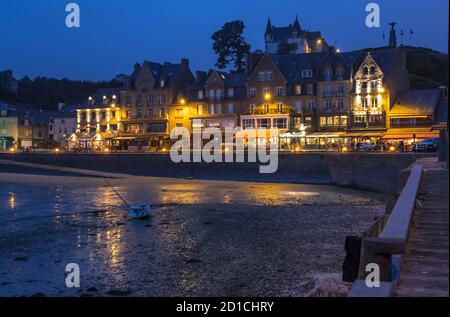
{"x": 298, "y": 141}
{"x": 6, "y": 142}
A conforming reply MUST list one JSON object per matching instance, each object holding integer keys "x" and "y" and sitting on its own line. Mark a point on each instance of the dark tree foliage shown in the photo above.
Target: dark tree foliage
{"x": 287, "y": 48}
{"x": 427, "y": 68}
{"x": 46, "y": 93}
{"x": 230, "y": 45}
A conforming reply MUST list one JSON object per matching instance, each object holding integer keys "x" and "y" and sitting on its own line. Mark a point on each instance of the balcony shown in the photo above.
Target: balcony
{"x": 331, "y": 94}
{"x": 269, "y": 111}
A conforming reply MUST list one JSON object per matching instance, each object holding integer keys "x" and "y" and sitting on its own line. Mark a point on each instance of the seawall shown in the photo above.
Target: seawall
{"x": 367, "y": 171}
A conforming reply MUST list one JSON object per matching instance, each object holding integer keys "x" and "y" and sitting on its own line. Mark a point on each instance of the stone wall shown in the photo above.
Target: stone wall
{"x": 367, "y": 171}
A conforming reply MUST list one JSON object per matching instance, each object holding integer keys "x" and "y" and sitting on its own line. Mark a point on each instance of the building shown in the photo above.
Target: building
{"x": 98, "y": 121}
{"x": 63, "y": 125}
{"x": 25, "y": 128}
{"x": 9, "y": 128}
{"x": 293, "y": 40}
{"x": 145, "y": 106}
{"x": 414, "y": 114}
{"x": 214, "y": 99}
{"x": 134, "y": 117}
{"x": 282, "y": 93}
{"x": 8, "y": 81}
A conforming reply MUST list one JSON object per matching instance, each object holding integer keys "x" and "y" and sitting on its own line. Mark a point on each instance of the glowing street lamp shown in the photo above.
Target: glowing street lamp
{"x": 267, "y": 96}
{"x": 183, "y": 101}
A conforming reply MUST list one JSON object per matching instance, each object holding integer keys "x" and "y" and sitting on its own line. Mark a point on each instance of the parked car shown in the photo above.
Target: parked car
{"x": 429, "y": 145}
{"x": 364, "y": 147}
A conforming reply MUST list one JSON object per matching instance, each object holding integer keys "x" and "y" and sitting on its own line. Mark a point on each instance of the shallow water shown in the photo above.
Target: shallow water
{"x": 206, "y": 238}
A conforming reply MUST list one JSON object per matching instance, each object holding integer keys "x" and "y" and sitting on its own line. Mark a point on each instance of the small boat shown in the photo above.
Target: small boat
{"x": 140, "y": 211}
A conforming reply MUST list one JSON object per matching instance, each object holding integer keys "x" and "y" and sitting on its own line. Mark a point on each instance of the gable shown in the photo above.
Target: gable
{"x": 215, "y": 79}
{"x": 266, "y": 65}
{"x": 369, "y": 67}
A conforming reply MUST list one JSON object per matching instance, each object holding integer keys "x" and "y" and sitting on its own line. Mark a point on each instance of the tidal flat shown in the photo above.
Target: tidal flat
{"x": 205, "y": 238}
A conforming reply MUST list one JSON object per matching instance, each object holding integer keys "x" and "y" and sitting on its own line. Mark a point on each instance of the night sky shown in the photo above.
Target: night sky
{"x": 115, "y": 34}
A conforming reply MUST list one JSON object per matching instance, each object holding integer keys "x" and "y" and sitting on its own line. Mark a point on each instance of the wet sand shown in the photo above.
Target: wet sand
{"x": 206, "y": 238}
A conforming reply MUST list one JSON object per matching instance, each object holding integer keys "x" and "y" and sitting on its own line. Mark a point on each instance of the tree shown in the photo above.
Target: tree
{"x": 287, "y": 48}
{"x": 230, "y": 45}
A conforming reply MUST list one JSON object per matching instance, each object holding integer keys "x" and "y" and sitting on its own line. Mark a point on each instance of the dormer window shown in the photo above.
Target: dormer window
{"x": 162, "y": 83}
{"x": 200, "y": 94}
{"x": 145, "y": 86}
{"x": 307, "y": 73}
{"x": 328, "y": 74}
{"x": 340, "y": 73}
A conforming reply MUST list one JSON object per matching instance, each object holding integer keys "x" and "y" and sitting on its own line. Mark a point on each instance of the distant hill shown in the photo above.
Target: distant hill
{"x": 427, "y": 68}
{"x": 45, "y": 93}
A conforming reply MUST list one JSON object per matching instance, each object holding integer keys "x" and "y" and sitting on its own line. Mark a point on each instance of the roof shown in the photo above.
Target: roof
{"x": 441, "y": 114}
{"x": 291, "y": 65}
{"x": 235, "y": 80}
{"x": 417, "y": 102}
{"x": 35, "y": 116}
{"x": 231, "y": 80}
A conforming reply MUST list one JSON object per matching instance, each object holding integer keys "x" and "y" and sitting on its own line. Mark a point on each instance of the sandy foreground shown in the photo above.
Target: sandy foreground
{"x": 205, "y": 238}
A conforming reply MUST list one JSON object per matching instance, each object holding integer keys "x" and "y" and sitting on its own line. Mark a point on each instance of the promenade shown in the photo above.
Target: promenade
{"x": 425, "y": 270}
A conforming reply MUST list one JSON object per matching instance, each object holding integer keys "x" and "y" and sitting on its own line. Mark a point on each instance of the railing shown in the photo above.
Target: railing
{"x": 387, "y": 250}
{"x": 329, "y": 94}
{"x": 270, "y": 111}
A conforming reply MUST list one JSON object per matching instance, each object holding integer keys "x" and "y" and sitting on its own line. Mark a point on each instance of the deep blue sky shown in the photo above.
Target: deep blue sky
{"x": 115, "y": 34}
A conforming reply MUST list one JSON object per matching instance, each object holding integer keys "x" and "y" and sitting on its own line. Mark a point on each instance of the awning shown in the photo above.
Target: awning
{"x": 363, "y": 134}
{"x": 419, "y": 135}
{"x": 326, "y": 135}
{"x": 124, "y": 138}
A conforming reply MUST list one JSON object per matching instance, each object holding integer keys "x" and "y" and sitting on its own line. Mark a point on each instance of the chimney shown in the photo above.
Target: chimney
{"x": 185, "y": 63}
{"x": 137, "y": 67}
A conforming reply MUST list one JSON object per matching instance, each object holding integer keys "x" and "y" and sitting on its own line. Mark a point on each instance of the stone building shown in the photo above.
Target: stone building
{"x": 145, "y": 106}
{"x": 215, "y": 99}
{"x": 293, "y": 40}
{"x": 63, "y": 124}
{"x": 24, "y": 128}
{"x": 99, "y": 121}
